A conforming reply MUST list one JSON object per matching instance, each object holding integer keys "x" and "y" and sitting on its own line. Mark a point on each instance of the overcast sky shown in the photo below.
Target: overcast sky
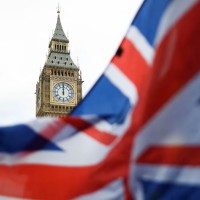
{"x": 94, "y": 29}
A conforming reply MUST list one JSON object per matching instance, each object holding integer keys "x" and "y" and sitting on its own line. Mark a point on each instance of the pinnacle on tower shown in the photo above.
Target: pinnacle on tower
{"x": 58, "y": 9}
{"x": 59, "y": 34}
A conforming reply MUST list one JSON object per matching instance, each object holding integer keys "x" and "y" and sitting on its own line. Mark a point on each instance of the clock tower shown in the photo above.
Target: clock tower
{"x": 59, "y": 88}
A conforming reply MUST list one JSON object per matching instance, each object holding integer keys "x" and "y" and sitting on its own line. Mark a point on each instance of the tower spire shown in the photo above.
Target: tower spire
{"x": 58, "y": 33}
{"x": 58, "y": 11}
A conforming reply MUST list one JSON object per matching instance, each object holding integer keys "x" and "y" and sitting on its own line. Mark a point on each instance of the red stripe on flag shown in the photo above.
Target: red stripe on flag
{"x": 31, "y": 180}
{"x": 171, "y": 155}
{"x": 52, "y": 129}
{"x": 135, "y": 67}
{"x": 90, "y": 130}
{"x": 100, "y": 136}
{"x": 127, "y": 192}
{"x": 48, "y": 182}
{"x": 131, "y": 63}
{"x": 176, "y": 62}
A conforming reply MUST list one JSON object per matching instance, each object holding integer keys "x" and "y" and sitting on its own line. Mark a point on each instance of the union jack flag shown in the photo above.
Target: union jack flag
{"x": 136, "y": 134}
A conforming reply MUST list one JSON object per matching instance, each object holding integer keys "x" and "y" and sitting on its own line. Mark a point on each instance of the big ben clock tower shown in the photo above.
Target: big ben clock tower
{"x": 59, "y": 88}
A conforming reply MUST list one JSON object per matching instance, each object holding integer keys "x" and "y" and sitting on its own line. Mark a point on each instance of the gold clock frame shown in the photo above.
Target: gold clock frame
{"x": 72, "y": 102}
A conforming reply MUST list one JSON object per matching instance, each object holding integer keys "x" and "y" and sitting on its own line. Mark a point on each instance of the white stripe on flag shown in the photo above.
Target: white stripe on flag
{"x": 141, "y": 44}
{"x": 175, "y": 123}
{"x": 166, "y": 174}
{"x": 112, "y": 191}
{"x": 113, "y": 129}
{"x": 122, "y": 83}
{"x": 71, "y": 155}
{"x": 9, "y": 198}
{"x": 41, "y": 123}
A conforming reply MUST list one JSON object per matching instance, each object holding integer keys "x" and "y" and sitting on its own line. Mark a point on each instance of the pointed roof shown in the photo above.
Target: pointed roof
{"x": 59, "y": 33}
{"x": 58, "y": 59}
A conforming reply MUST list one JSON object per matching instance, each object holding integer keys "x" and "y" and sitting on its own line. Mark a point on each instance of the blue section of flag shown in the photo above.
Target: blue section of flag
{"x": 198, "y": 101}
{"x": 169, "y": 191}
{"x": 105, "y": 101}
{"x": 148, "y": 18}
{"x": 20, "y": 138}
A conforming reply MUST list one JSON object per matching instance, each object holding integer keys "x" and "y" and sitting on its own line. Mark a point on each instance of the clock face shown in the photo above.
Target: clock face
{"x": 63, "y": 92}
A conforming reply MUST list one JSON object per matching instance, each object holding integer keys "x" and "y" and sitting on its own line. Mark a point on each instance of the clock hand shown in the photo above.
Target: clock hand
{"x": 63, "y": 91}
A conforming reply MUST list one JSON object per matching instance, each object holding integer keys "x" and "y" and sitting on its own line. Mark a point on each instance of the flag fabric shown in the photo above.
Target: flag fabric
{"x": 136, "y": 134}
